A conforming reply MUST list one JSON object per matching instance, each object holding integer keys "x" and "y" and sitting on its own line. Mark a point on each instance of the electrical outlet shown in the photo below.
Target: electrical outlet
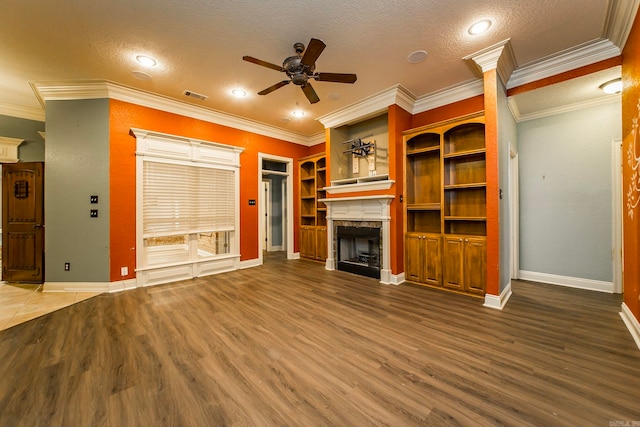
{"x": 67, "y": 266}
{"x": 93, "y": 213}
{"x": 124, "y": 271}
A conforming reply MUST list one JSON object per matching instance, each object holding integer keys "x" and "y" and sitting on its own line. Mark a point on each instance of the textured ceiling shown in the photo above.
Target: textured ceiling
{"x": 199, "y": 46}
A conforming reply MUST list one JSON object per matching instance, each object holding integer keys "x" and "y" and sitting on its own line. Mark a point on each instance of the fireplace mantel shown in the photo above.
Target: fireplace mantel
{"x": 366, "y": 208}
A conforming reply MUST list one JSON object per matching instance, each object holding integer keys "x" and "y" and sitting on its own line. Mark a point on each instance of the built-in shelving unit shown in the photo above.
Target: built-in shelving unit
{"x": 313, "y": 212}
{"x": 445, "y": 205}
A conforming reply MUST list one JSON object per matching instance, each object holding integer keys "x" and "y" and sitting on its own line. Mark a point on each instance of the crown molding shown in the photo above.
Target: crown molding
{"x": 620, "y": 17}
{"x": 49, "y": 91}
{"x": 588, "y": 53}
{"x": 22, "y": 112}
{"x": 518, "y": 117}
{"x": 370, "y": 107}
{"x": 499, "y": 56}
{"x": 448, "y": 96}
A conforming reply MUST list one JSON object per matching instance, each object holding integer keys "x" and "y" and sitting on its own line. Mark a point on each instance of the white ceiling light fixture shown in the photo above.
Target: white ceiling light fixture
{"x": 147, "y": 61}
{"x": 417, "y": 57}
{"x": 612, "y": 86}
{"x": 479, "y": 27}
{"x": 297, "y": 113}
{"x": 239, "y": 93}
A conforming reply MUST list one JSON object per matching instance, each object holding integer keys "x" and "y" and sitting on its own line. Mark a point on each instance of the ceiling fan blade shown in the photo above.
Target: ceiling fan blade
{"x": 335, "y": 77}
{"x": 274, "y": 87}
{"x": 311, "y": 94}
{"x": 263, "y": 63}
{"x": 313, "y": 51}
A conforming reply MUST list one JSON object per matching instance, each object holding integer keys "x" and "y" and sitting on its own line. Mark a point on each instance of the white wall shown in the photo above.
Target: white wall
{"x": 565, "y": 192}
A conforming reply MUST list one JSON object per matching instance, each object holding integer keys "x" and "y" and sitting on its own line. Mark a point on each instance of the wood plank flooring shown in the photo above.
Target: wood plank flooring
{"x": 289, "y": 343}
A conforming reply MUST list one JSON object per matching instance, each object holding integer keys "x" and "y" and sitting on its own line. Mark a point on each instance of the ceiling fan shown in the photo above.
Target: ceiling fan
{"x": 300, "y": 68}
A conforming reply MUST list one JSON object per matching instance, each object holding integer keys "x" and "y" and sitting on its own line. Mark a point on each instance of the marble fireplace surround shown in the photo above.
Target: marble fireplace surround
{"x": 363, "y": 211}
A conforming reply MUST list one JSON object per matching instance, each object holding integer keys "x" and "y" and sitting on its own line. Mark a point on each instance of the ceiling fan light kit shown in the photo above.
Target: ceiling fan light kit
{"x": 301, "y": 67}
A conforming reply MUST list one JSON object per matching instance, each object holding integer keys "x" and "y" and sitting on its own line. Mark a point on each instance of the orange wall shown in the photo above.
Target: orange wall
{"x": 124, "y": 116}
{"x": 491, "y": 88}
{"x": 399, "y": 121}
{"x": 582, "y": 71}
{"x": 631, "y": 148}
{"x": 448, "y": 112}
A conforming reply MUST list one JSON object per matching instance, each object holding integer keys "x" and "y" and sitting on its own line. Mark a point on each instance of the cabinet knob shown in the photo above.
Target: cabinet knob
{"x": 461, "y": 240}
{"x": 466, "y": 240}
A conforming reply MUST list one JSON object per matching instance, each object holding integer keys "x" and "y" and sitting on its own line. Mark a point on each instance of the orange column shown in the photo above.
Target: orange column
{"x": 493, "y": 205}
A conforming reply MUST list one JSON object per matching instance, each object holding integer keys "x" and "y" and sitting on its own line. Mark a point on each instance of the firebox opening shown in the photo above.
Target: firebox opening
{"x": 358, "y": 250}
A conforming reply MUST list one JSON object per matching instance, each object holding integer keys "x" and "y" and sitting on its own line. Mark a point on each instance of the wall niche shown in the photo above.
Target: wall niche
{"x": 360, "y": 150}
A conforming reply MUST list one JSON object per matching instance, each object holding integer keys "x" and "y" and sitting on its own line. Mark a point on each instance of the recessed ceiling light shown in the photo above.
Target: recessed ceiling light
{"x": 298, "y": 113}
{"x": 140, "y": 75}
{"x": 239, "y": 93}
{"x": 417, "y": 57}
{"x": 479, "y": 27}
{"x": 612, "y": 86}
{"x": 147, "y": 61}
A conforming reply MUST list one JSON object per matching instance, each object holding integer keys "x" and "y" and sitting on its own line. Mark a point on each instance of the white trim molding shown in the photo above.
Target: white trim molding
{"x": 22, "y": 112}
{"x": 570, "y": 282}
{"x": 498, "y": 301}
{"x": 631, "y": 323}
{"x": 370, "y": 107}
{"x": 76, "y": 286}
{"x": 98, "y": 89}
{"x": 9, "y": 149}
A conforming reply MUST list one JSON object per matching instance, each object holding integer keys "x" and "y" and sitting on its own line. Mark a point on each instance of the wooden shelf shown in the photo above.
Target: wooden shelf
{"x": 423, "y": 150}
{"x": 313, "y": 214}
{"x": 465, "y": 218}
{"x": 465, "y": 153}
{"x": 424, "y": 207}
{"x": 446, "y": 205}
{"x": 465, "y": 186}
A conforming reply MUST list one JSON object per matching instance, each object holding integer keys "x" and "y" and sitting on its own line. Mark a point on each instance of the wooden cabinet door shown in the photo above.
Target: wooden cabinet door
{"x": 475, "y": 265}
{"x": 413, "y": 257}
{"x": 307, "y": 242}
{"x": 453, "y": 258}
{"x": 321, "y": 243}
{"x": 432, "y": 271}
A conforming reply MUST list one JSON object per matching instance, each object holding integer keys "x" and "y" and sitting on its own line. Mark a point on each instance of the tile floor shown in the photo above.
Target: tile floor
{"x": 21, "y": 302}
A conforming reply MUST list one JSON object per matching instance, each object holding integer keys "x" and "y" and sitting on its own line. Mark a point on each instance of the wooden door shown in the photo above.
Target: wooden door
{"x": 433, "y": 260}
{"x": 475, "y": 265}
{"x": 453, "y": 249}
{"x": 23, "y": 222}
{"x": 413, "y": 257}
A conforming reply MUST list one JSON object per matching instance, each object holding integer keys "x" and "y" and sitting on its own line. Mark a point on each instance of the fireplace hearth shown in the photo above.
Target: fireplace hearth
{"x": 358, "y": 250}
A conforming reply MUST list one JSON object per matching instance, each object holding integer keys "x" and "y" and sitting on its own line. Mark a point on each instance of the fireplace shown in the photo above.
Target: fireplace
{"x": 365, "y": 245}
{"x": 358, "y": 250}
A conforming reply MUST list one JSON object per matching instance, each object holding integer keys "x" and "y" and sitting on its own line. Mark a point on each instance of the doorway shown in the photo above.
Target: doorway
{"x": 275, "y": 207}
{"x": 514, "y": 213}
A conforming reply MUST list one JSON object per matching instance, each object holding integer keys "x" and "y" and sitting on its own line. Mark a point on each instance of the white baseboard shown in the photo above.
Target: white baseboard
{"x": 632, "y": 323}
{"x": 498, "y": 301}
{"x": 76, "y": 287}
{"x": 392, "y": 279}
{"x": 571, "y": 282}
{"x": 295, "y": 255}
{"x": 250, "y": 263}
{"x": 123, "y": 285}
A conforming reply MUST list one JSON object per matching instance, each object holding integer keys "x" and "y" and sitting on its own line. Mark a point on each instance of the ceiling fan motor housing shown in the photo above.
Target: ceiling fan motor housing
{"x": 298, "y": 72}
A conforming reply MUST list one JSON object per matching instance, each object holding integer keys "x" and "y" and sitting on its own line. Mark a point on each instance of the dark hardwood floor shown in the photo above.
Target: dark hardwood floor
{"x": 289, "y": 343}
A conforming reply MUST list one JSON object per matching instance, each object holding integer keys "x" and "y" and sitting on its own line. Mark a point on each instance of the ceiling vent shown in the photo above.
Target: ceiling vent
{"x": 196, "y": 95}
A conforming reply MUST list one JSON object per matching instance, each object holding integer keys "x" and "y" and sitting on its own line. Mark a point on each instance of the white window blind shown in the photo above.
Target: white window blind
{"x": 186, "y": 199}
